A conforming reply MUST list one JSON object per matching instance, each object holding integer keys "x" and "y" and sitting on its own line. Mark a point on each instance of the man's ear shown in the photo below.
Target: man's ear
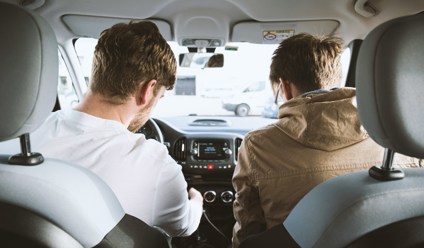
{"x": 145, "y": 92}
{"x": 287, "y": 88}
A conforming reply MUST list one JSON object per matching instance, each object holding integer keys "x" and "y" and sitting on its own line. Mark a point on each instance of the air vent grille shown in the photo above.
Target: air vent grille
{"x": 180, "y": 149}
{"x": 238, "y": 144}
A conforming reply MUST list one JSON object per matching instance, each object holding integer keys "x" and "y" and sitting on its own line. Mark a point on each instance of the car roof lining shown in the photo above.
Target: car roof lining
{"x": 226, "y": 13}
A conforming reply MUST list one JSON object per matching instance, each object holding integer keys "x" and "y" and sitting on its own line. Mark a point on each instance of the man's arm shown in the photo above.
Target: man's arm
{"x": 247, "y": 206}
{"x": 177, "y": 211}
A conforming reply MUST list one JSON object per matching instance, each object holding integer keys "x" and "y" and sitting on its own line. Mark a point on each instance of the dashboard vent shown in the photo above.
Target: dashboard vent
{"x": 180, "y": 149}
{"x": 238, "y": 144}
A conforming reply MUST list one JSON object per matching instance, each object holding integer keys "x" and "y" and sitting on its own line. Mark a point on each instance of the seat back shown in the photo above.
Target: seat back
{"x": 356, "y": 210}
{"x": 345, "y": 209}
{"x": 46, "y": 202}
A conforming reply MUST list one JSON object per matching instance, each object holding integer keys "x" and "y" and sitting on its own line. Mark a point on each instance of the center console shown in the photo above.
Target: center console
{"x": 208, "y": 162}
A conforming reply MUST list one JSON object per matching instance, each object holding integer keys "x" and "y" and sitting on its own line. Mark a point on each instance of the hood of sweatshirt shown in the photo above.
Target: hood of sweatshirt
{"x": 326, "y": 121}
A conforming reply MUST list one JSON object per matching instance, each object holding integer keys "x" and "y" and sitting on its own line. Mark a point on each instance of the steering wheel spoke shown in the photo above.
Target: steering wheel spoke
{"x": 151, "y": 130}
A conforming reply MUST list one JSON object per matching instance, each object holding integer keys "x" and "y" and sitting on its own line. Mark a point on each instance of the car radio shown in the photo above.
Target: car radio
{"x": 206, "y": 156}
{"x": 210, "y": 150}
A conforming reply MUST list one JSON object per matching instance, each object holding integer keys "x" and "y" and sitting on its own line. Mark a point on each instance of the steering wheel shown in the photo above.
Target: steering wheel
{"x": 151, "y": 130}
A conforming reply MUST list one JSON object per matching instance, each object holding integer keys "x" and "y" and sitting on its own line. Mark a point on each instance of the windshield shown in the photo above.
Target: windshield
{"x": 240, "y": 88}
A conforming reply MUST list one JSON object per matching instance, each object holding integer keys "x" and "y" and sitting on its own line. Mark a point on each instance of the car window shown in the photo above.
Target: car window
{"x": 345, "y": 64}
{"x": 67, "y": 95}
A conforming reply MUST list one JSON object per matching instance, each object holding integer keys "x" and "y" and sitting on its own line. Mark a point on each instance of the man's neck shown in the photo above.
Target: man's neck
{"x": 96, "y": 105}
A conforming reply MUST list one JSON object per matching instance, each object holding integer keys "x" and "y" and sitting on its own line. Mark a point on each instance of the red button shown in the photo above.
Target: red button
{"x": 211, "y": 166}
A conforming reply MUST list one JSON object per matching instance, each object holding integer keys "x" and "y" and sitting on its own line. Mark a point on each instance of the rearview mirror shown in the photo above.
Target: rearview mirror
{"x": 201, "y": 60}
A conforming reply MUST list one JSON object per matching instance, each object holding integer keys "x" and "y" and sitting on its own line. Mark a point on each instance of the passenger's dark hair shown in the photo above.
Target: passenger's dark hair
{"x": 307, "y": 61}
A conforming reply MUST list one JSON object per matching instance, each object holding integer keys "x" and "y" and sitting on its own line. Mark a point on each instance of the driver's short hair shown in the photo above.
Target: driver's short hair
{"x": 127, "y": 55}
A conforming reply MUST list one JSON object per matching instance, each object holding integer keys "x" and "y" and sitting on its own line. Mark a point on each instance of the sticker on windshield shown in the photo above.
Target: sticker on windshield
{"x": 276, "y": 36}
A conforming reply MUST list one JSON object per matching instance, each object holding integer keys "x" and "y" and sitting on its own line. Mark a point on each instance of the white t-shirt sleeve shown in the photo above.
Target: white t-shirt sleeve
{"x": 174, "y": 212}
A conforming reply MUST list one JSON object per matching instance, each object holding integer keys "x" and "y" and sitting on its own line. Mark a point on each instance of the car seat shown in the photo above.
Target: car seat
{"x": 382, "y": 207}
{"x": 46, "y": 202}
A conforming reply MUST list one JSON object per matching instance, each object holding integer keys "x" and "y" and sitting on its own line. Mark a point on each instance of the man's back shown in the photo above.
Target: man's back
{"x": 146, "y": 180}
{"x": 318, "y": 136}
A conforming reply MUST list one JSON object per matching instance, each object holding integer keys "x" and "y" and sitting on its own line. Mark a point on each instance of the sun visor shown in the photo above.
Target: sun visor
{"x": 92, "y": 26}
{"x": 275, "y": 32}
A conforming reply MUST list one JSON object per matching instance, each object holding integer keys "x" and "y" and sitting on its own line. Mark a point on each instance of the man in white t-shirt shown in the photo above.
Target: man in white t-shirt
{"x": 132, "y": 67}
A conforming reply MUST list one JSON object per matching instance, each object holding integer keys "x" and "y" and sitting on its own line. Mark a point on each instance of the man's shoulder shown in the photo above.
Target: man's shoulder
{"x": 266, "y": 132}
{"x": 61, "y": 116}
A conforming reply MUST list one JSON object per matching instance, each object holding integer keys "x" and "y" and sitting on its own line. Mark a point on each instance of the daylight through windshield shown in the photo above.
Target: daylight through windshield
{"x": 240, "y": 88}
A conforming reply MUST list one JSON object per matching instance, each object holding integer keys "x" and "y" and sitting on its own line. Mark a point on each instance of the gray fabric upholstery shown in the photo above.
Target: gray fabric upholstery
{"x": 342, "y": 209}
{"x": 73, "y": 198}
{"x": 29, "y": 71}
{"x": 390, "y": 85}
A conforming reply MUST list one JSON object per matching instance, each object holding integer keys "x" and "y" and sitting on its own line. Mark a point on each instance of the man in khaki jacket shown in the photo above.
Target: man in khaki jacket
{"x": 318, "y": 136}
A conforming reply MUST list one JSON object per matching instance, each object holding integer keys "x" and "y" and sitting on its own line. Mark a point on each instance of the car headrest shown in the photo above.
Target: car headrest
{"x": 390, "y": 85}
{"x": 28, "y": 71}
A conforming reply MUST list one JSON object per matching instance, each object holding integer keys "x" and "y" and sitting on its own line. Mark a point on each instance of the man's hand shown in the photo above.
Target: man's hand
{"x": 195, "y": 195}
